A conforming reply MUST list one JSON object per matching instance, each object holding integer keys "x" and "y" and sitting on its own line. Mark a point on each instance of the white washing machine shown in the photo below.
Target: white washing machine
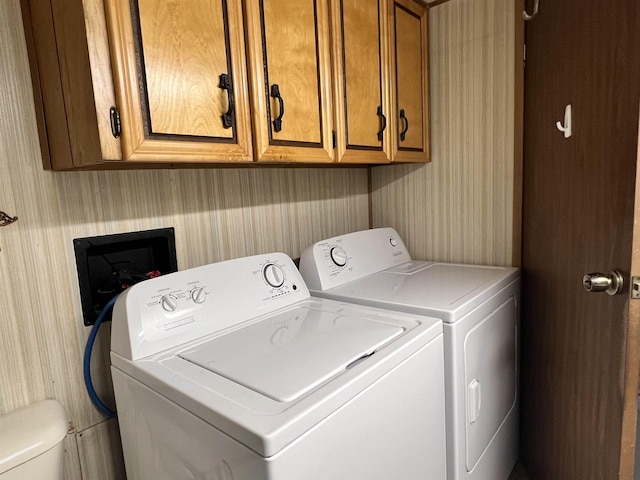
{"x": 479, "y": 308}
{"x": 232, "y": 371}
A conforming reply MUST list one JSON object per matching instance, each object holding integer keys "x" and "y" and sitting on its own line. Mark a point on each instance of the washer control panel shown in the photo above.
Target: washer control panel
{"x": 338, "y": 256}
{"x": 169, "y": 302}
{"x": 274, "y": 275}
{"x": 172, "y": 309}
{"x": 198, "y": 294}
{"x": 339, "y": 260}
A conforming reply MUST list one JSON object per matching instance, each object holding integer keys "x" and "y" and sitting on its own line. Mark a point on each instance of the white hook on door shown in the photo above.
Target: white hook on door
{"x": 528, "y": 17}
{"x": 566, "y": 128}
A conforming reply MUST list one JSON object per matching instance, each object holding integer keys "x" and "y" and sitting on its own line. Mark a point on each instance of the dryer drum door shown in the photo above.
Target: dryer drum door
{"x": 490, "y": 362}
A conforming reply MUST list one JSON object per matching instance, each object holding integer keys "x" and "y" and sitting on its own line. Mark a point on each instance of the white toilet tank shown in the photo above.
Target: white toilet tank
{"x": 31, "y": 442}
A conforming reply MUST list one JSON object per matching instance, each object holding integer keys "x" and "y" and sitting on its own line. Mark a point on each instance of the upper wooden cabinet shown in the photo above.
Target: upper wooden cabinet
{"x": 174, "y": 71}
{"x": 180, "y": 79}
{"x": 328, "y": 81}
{"x": 410, "y": 82}
{"x": 362, "y": 87}
{"x": 289, "y": 60}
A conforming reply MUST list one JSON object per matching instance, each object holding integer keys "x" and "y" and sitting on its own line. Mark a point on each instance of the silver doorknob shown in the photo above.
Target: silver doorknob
{"x": 599, "y": 282}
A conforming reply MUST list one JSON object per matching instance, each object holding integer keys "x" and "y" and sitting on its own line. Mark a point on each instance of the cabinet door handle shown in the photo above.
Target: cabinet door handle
{"x": 383, "y": 123}
{"x": 225, "y": 84}
{"x": 403, "y": 133}
{"x": 275, "y": 93}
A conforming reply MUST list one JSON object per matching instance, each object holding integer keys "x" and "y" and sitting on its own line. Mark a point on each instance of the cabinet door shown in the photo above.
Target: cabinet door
{"x": 289, "y": 60}
{"x": 411, "y": 82}
{"x": 180, "y": 76}
{"x": 361, "y": 59}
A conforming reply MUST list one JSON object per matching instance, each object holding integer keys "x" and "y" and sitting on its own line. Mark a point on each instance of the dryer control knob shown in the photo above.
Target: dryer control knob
{"x": 273, "y": 275}
{"x": 198, "y": 295}
{"x": 169, "y": 303}
{"x": 338, "y": 256}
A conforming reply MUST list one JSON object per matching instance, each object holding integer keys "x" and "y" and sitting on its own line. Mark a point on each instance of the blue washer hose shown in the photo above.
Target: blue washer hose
{"x": 87, "y": 362}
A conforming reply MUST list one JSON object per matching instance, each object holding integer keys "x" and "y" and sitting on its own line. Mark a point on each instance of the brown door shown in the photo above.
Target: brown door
{"x": 579, "y": 349}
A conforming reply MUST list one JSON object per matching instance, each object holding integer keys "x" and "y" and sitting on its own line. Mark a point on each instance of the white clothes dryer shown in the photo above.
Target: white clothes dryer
{"x": 233, "y": 371}
{"x": 479, "y": 306}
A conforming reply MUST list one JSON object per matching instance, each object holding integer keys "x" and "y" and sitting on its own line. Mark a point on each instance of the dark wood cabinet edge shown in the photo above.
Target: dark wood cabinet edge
{"x": 133, "y": 165}
{"x": 76, "y": 80}
{"x": 435, "y": 3}
{"x": 65, "y": 107}
{"x": 35, "y": 83}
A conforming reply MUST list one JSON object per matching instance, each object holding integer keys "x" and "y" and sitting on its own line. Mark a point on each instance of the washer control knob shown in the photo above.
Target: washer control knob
{"x": 169, "y": 303}
{"x": 198, "y": 295}
{"x": 273, "y": 275}
{"x": 393, "y": 242}
{"x": 338, "y": 256}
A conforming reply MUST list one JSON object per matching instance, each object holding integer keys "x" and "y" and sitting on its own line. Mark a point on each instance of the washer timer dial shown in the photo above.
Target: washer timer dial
{"x": 338, "y": 256}
{"x": 169, "y": 303}
{"x": 198, "y": 295}
{"x": 273, "y": 275}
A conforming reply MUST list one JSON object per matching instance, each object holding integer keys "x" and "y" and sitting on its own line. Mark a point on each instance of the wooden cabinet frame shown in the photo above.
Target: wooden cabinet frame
{"x": 268, "y": 149}
{"x": 77, "y": 64}
{"x": 400, "y": 153}
{"x": 141, "y": 145}
{"x": 347, "y": 152}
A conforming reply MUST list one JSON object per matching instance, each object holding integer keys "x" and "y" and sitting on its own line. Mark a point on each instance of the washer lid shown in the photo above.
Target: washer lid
{"x": 288, "y": 355}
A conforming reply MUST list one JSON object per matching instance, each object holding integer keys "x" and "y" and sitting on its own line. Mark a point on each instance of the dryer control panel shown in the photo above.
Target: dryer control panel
{"x": 166, "y": 311}
{"x": 335, "y": 261}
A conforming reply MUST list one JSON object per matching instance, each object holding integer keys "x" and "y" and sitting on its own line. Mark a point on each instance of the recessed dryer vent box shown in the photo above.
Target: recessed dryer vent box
{"x": 109, "y": 264}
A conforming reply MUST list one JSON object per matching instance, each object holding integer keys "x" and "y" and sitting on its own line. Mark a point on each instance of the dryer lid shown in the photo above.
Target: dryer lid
{"x": 288, "y": 355}
{"x": 446, "y": 291}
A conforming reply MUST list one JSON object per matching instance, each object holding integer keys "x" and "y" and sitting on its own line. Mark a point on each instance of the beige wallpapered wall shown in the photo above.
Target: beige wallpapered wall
{"x": 460, "y": 207}
{"x": 217, "y": 214}
{"x": 457, "y": 208}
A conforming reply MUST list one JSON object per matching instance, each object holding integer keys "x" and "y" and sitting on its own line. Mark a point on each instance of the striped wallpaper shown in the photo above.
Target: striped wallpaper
{"x": 459, "y": 207}
{"x": 217, "y": 214}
